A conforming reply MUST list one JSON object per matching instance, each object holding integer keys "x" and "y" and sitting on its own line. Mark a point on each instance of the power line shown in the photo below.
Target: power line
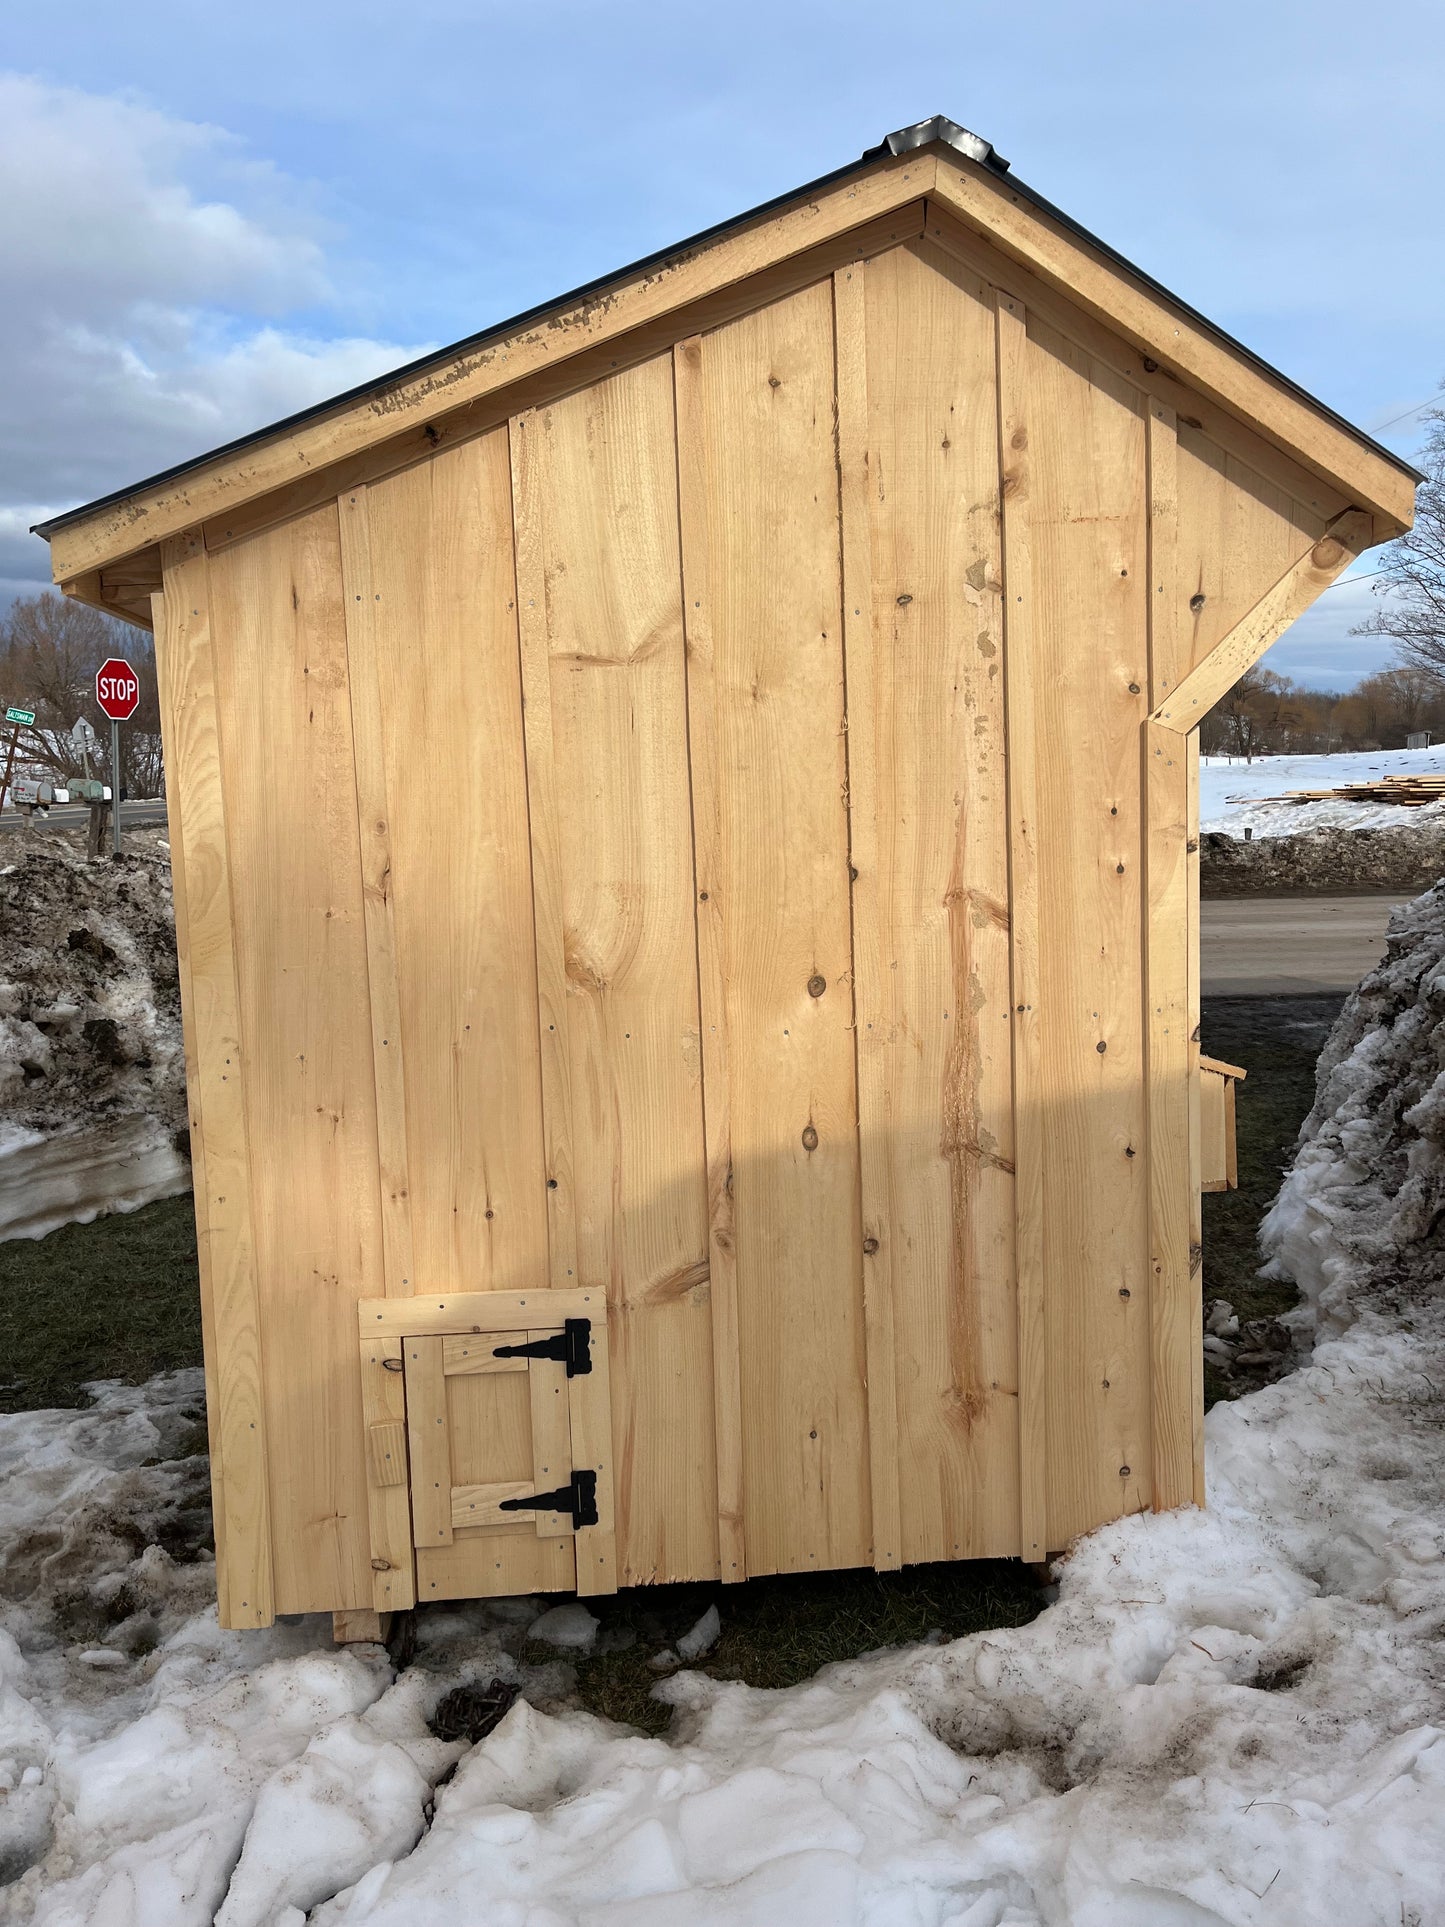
{"x": 1348, "y": 581}
{"x": 1413, "y": 410}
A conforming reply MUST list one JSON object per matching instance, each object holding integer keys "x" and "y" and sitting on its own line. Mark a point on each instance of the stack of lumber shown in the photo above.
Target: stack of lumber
{"x": 1410, "y": 791}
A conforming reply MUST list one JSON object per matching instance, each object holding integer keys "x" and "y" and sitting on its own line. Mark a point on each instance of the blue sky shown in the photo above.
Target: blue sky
{"x": 212, "y": 216}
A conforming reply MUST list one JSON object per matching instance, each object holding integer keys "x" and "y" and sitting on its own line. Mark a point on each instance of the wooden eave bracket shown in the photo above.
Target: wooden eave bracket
{"x": 1236, "y": 653}
{"x": 124, "y": 590}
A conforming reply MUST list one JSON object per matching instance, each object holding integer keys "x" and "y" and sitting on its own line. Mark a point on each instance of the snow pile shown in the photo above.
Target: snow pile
{"x": 1232, "y": 794}
{"x": 1358, "y": 1221}
{"x": 1227, "y": 1717}
{"x": 92, "y": 1094}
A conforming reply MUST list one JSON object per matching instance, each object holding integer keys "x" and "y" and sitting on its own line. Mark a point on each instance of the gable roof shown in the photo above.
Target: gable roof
{"x": 128, "y": 519}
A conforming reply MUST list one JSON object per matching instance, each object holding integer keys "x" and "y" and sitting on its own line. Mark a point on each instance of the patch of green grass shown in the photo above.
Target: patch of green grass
{"x": 778, "y": 1631}
{"x": 117, "y": 1298}
{"x": 1277, "y": 1040}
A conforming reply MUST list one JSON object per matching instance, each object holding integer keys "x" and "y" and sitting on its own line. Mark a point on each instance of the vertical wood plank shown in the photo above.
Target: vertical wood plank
{"x": 228, "y": 1262}
{"x": 547, "y": 887}
{"x": 712, "y": 955}
{"x": 589, "y": 1401}
{"x": 872, "y": 983}
{"x": 295, "y": 864}
{"x": 1166, "y": 985}
{"x": 441, "y": 690}
{"x": 373, "y": 816}
{"x": 1167, "y": 988}
{"x": 1168, "y": 658}
{"x": 383, "y": 1402}
{"x": 773, "y": 575}
{"x": 1025, "y": 986}
{"x": 429, "y": 1437}
{"x": 1196, "y": 1205}
{"x": 932, "y": 782}
{"x": 1088, "y": 501}
{"x": 598, "y": 519}
{"x": 199, "y": 1190}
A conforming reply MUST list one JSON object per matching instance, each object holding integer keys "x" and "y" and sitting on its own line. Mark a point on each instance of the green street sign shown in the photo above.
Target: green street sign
{"x": 26, "y": 716}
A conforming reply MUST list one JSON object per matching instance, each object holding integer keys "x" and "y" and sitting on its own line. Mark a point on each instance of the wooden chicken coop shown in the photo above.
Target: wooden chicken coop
{"x": 684, "y": 813}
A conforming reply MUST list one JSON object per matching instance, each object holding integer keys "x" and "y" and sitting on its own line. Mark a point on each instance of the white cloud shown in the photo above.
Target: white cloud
{"x": 1320, "y": 651}
{"x": 151, "y": 271}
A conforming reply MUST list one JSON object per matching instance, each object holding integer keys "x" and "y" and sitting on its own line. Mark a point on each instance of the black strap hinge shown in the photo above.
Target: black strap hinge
{"x": 579, "y": 1498}
{"x": 572, "y": 1347}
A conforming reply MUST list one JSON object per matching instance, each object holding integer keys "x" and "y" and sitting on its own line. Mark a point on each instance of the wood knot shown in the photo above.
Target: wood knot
{"x": 817, "y": 985}
{"x": 870, "y": 1245}
{"x": 810, "y": 1138}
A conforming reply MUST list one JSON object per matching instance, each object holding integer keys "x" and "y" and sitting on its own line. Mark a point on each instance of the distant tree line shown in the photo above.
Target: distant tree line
{"x": 50, "y": 649}
{"x": 1268, "y": 715}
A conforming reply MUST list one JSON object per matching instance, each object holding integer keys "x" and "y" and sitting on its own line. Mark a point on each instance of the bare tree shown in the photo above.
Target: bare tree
{"x": 1259, "y": 716}
{"x": 50, "y": 649}
{"x": 1411, "y": 582}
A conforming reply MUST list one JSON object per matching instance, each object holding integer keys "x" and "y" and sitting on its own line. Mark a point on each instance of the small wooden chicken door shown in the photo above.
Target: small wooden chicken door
{"x": 489, "y": 1445}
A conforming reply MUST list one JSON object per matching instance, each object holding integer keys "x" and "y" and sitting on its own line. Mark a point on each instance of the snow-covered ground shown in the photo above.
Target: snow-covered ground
{"x": 1235, "y": 1716}
{"x": 1231, "y": 793}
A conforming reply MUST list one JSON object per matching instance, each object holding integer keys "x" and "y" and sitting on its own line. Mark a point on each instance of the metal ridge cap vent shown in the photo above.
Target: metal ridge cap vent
{"x": 939, "y": 128}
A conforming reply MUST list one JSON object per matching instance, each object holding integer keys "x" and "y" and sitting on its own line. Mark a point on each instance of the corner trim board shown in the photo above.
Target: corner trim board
{"x": 186, "y": 677}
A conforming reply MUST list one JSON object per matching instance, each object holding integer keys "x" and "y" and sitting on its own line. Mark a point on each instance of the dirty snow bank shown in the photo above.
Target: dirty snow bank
{"x": 92, "y": 1092}
{"x": 1232, "y": 1717}
{"x": 1357, "y": 1223}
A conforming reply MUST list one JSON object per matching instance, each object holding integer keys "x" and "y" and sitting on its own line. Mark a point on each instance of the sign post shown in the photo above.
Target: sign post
{"x": 18, "y": 719}
{"x": 117, "y": 690}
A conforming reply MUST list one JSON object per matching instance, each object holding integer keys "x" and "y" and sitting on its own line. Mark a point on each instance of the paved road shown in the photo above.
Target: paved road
{"x": 1288, "y": 946}
{"x": 75, "y": 816}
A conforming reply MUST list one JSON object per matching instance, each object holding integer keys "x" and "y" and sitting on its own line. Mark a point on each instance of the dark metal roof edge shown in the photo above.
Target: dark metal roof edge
{"x": 903, "y": 140}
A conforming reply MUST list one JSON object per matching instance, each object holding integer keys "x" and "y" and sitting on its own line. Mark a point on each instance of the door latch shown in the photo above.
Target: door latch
{"x": 572, "y": 1347}
{"x": 579, "y": 1498}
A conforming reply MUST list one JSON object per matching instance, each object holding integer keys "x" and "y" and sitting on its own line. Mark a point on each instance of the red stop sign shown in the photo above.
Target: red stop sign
{"x": 117, "y": 689}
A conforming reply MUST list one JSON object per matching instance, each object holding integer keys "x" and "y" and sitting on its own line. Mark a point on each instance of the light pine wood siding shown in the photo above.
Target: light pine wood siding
{"x": 1238, "y": 534}
{"x": 716, "y": 844}
{"x": 767, "y": 568}
{"x": 288, "y": 778}
{"x": 437, "y": 675}
{"x": 1090, "y": 673}
{"x": 601, "y": 588}
{"x": 927, "y": 698}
